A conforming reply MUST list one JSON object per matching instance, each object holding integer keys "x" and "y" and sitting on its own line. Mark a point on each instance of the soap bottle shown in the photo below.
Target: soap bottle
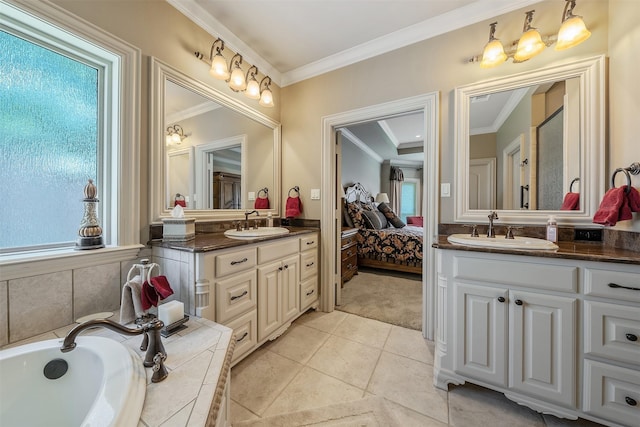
{"x": 552, "y": 229}
{"x": 269, "y": 220}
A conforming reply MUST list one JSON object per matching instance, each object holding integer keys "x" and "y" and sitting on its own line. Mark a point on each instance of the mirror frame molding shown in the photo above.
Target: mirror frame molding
{"x": 159, "y": 74}
{"x": 591, "y": 72}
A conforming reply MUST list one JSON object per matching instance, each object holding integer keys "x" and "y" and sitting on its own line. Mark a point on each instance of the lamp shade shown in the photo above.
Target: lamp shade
{"x": 529, "y": 45}
{"x": 493, "y": 54}
{"x": 572, "y": 32}
{"x": 382, "y": 198}
{"x": 219, "y": 68}
{"x": 266, "y": 98}
{"x": 237, "y": 81}
{"x": 253, "y": 89}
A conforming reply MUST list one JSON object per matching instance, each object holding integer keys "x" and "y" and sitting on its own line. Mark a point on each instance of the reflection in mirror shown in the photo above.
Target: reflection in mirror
{"x": 529, "y": 143}
{"x": 227, "y": 154}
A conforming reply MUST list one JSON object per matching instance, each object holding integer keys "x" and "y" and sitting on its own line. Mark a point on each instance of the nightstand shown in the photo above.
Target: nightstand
{"x": 348, "y": 254}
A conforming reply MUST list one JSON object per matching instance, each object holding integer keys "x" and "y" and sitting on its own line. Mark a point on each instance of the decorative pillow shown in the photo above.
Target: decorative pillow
{"x": 346, "y": 219}
{"x": 355, "y": 212}
{"x": 390, "y": 215}
{"x": 374, "y": 220}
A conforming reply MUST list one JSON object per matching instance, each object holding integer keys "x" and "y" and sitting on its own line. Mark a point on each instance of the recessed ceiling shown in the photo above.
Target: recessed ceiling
{"x": 292, "y": 40}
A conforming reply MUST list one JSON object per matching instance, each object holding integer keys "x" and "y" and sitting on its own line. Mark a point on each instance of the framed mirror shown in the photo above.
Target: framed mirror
{"x": 532, "y": 145}
{"x": 209, "y": 153}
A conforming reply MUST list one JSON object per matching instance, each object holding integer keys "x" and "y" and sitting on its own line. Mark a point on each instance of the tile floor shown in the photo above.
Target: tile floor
{"x": 329, "y": 358}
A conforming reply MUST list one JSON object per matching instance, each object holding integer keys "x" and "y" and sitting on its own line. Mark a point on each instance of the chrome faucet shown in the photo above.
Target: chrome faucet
{"x": 246, "y": 218}
{"x": 490, "y": 231}
{"x": 151, "y": 342}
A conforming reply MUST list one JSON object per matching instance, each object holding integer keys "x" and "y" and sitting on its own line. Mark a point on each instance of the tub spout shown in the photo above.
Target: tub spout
{"x": 152, "y": 341}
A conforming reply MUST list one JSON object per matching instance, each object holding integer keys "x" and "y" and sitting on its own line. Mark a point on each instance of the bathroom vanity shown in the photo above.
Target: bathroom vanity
{"x": 557, "y": 331}
{"x": 256, "y": 287}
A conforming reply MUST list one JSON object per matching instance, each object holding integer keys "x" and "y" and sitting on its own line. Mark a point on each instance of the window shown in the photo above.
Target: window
{"x": 69, "y": 100}
{"x": 410, "y": 198}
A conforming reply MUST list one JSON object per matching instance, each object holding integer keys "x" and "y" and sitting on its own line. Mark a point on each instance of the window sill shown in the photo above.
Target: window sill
{"x": 34, "y": 264}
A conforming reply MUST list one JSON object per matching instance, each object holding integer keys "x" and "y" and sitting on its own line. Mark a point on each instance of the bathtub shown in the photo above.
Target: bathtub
{"x": 104, "y": 384}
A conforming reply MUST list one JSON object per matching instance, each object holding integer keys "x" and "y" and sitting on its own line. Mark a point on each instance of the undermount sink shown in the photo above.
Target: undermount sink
{"x": 256, "y": 232}
{"x": 499, "y": 242}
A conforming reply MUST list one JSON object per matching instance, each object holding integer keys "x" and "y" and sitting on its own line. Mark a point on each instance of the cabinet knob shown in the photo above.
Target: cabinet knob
{"x": 501, "y": 299}
{"x": 519, "y": 302}
{"x": 632, "y": 337}
{"x": 630, "y": 401}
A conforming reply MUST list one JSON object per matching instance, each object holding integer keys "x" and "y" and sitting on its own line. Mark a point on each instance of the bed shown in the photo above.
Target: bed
{"x": 380, "y": 243}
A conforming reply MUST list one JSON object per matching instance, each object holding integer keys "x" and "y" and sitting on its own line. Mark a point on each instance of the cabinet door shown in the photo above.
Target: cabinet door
{"x": 542, "y": 346}
{"x": 481, "y": 333}
{"x": 269, "y": 302}
{"x": 290, "y": 289}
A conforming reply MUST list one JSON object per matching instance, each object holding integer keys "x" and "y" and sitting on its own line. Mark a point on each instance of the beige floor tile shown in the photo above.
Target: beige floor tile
{"x": 346, "y": 360}
{"x": 410, "y": 418}
{"x": 471, "y": 405}
{"x": 409, "y": 383}
{"x": 259, "y": 379}
{"x": 326, "y": 322}
{"x": 409, "y": 343}
{"x": 299, "y": 343}
{"x": 240, "y": 413}
{"x": 365, "y": 331}
{"x": 312, "y": 389}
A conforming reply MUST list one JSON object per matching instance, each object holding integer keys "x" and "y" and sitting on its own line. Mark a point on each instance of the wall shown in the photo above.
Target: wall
{"x": 437, "y": 64}
{"x": 357, "y": 166}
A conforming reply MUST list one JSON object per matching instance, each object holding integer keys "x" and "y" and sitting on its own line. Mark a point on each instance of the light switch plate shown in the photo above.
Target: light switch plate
{"x": 445, "y": 189}
{"x": 315, "y": 194}
{"x": 252, "y": 195}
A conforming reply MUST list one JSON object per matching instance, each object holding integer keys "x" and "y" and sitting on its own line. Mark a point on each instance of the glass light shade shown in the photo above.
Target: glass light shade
{"x": 219, "y": 68}
{"x": 175, "y": 138}
{"x": 572, "y": 33}
{"x": 266, "y": 99}
{"x": 236, "y": 81}
{"x": 253, "y": 89}
{"x": 168, "y": 140}
{"x": 493, "y": 54}
{"x": 529, "y": 45}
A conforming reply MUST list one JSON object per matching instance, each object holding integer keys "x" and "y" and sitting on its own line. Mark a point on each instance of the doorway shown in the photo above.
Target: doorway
{"x": 330, "y": 217}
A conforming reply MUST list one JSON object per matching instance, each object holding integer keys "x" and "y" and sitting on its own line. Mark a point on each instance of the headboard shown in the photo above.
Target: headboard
{"x": 357, "y": 193}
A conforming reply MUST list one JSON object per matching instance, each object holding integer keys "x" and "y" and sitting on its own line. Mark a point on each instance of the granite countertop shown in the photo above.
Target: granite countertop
{"x": 206, "y": 242}
{"x": 566, "y": 249}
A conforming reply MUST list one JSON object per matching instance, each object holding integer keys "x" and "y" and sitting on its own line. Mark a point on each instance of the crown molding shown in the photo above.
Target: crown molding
{"x": 361, "y": 145}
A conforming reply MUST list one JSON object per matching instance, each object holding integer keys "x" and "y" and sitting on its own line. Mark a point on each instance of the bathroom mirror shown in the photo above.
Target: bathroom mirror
{"x": 524, "y": 141}
{"x": 209, "y": 153}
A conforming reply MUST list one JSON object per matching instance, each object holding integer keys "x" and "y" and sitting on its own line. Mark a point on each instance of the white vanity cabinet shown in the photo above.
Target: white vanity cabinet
{"x": 544, "y": 331}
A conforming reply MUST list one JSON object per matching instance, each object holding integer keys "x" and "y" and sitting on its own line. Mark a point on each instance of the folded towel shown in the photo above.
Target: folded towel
{"x": 148, "y": 296}
{"x": 294, "y": 207}
{"x": 571, "y": 202}
{"x": 261, "y": 203}
{"x": 634, "y": 200}
{"x": 161, "y": 286}
{"x": 131, "y": 303}
{"x": 614, "y": 207}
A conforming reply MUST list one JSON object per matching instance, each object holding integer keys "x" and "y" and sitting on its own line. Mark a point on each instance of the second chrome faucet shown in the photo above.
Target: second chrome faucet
{"x": 491, "y": 231}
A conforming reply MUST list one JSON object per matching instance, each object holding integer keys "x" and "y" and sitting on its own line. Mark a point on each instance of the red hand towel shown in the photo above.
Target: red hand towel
{"x": 162, "y": 287}
{"x": 294, "y": 207}
{"x": 148, "y": 296}
{"x": 261, "y": 203}
{"x": 612, "y": 207}
{"x": 634, "y": 200}
{"x": 571, "y": 202}
{"x": 180, "y": 203}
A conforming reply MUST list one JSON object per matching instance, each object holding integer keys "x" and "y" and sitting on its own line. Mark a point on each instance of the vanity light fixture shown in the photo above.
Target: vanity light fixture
{"x": 573, "y": 31}
{"x": 266, "y": 97}
{"x": 237, "y": 82}
{"x": 253, "y": 87}
{"x": 218, "y": 68}
{"x": 175, "y": 135}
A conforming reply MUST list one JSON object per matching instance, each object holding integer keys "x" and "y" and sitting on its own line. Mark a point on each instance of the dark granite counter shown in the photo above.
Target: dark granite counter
{"x": 567, "y": 250}
{"x": 206, "y": 242}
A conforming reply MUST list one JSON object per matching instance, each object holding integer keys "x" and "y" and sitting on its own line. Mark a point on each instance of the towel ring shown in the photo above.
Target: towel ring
{"x": 571, "y": 185}
{"x": 264, "y": 190}
{"x": 633, "y": 169}
{"x": 296, "y": 189}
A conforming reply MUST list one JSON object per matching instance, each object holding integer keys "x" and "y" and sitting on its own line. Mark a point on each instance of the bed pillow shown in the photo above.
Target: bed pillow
{"x": 374, "y": 220}
{"x": 355, "y": 213}
{"x": 346, "y": 218}
{"x": 390, "y": 215}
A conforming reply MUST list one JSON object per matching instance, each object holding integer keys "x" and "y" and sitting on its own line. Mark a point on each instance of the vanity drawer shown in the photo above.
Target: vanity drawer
{"x": 308, "y": 292}
{"x": 273, "y": 251}
{"x": 245, "y": 329}
{"x": 236, "y": 295}
{"x": 308, "y": 264}
{"x": 612, "y": 331}
{"x": 235, "y": 262}
{"x": 308, "y": 242}
{"x": 552, "y": 277}
{"x": 596, "y": 283}
{"x": 612, "y": 392}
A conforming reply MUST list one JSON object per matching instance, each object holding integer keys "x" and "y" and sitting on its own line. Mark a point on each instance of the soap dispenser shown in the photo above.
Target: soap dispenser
{"x": 269, "y": 220}
{"x": 552, "y": 229}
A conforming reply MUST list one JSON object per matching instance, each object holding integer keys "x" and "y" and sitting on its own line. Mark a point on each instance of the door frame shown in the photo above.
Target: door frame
{"x": 429, "y": 104}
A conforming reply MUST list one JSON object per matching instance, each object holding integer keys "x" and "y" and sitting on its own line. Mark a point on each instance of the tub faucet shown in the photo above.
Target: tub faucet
{"x": 151, "y": 342}
{"x": 246, "y": 218}
{"x": 490, "y": 231}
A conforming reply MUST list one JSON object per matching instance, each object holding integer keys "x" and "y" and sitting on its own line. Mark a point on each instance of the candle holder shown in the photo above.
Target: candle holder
{"x": 90, "y": 232}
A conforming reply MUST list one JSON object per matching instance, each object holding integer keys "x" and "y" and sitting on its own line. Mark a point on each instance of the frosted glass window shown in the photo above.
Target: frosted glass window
{"x": 49, "y": 106}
